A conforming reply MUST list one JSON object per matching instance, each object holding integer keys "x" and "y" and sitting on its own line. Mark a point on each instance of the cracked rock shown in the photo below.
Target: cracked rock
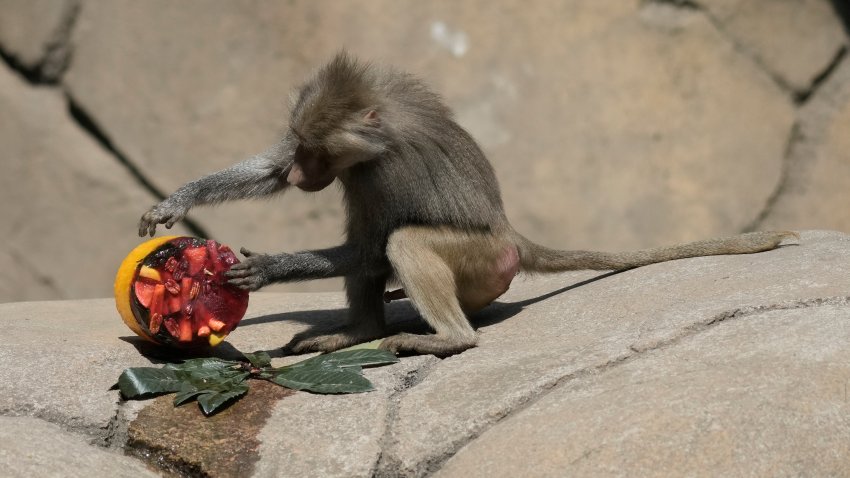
{"x": 795, "y": 40}
{"x": 32, "y": 447}
{"x": 543, "y": 334}
{"x": 34, "y": 33}
{"x": 815, "y": 193}
{"x": 72, "y": 210}
{"x": 634, "y": 130}
{"x": 726, "y": 321}
{"x": 764, "y": 394}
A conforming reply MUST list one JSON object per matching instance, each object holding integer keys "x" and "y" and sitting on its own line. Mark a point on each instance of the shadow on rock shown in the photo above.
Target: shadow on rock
{"x": 401, "y": 316}
{"x": 159, "y": 354}
{"x": 499, "y": 311}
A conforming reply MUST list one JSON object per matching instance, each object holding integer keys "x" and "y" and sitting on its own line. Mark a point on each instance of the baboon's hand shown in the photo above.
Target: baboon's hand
{"x": 167, "y": 212}
{"x": 252, "y": 273}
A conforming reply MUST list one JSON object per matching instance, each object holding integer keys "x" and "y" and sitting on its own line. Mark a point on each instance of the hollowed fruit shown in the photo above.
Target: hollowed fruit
{"x": 172, "y": 291}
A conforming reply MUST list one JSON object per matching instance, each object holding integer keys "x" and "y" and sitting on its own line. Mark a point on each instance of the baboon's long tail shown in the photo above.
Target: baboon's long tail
{"x": 536, "y": 258}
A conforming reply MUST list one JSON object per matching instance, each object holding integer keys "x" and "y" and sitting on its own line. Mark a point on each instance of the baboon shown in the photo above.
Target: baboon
{"x": 423, "y": 209}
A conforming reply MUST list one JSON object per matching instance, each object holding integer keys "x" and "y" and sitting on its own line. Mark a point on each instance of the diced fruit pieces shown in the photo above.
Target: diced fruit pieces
{"x": 174, "y": 304}
{"x": 186, "y": 289}
{"x": 172, "y": 327}
{"x": 216, "y": 339}
{"x": 150, "y": 273}
{"x": 144, "y": 292}
{"x": 185, "y": 330}
{"x": 196, "y": 257}
{"x": 179, "y": 295}
{"x": 172, "y": 287}
{"x": 155, "y": 323}
{"x": 216, "y": 325}
{"x": 212, "y": 249}
{"x": 157, "y": 302}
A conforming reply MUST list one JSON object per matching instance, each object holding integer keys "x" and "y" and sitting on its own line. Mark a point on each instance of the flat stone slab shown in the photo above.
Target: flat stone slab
{"x": 763, "y": 393}
{"x": 818, "y": 162}
{"x": 30, "y": 447}
{"x": 710, "y": 334}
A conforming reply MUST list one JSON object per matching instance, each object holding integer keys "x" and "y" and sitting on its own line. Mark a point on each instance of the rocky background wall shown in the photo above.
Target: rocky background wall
{"x": 611, "y": 124}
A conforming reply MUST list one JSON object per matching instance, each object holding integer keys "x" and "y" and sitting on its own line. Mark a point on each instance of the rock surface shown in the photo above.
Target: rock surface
{"x": 729, "y": 363}
{"x": 761, "y": 393}
{"x": 34, "y": 34}
{"x": 32, "y": 447}
{"x": 611, "y": 125}
{"x": 818, "y": 162}
{"x": 796, "y": 40}
{"x": 69, "y": 209}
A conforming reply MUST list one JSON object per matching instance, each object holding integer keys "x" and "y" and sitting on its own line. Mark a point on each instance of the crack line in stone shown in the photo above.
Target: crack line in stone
{"x": 55, "y": 58}
{"x": 784, "y": 176}
{"x": 803, "y": 97}
{"x": 384, "y": 464}
{"x": 739, "y": 47}
{"x": 88, "y": 124}
{"x": 434, "y": 464}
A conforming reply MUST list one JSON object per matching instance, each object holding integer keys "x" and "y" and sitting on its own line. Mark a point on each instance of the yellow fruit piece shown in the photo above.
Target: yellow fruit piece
{"x": 216, "y": 339}
{"x": 150, "y": 273}
{"x": 124, "y": 282}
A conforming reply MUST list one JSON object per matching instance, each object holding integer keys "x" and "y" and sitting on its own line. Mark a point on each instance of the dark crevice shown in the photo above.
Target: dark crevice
{"x": 842, "y": 8}
{"x": 88, "y": 124}
{"x": 802, "y": 97}
{"x": 29, "y": 74}
{"x": 684, "y": 4}
{"x": 57, "y": 52}
{"x": 386, "y": 465}
{"x": 736, "y": 45}
{"x": 781, "y": 186}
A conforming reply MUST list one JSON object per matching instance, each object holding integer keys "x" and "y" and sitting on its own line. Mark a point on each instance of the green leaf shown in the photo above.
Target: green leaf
{"x": 348, "y": 358}
{"x": 200, "y": 375}
{"x": 184, "y": 396}
{"x": 259, "y": 359}
{"x": 322, "y": 380}
{"x": 200, "y": 385}
{"x": 213, "y": 401}
{"x": 206, "y": 363}
{"x": 137, "y": 381}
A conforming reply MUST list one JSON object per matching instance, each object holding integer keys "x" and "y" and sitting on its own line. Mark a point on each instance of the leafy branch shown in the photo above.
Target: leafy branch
{"x": 215, "y": 382}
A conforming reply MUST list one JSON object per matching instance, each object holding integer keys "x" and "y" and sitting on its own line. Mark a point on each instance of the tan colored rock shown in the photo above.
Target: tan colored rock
{"x": 795, "y": 39}
{"x": 69, "y": 208}
{"x": 547, "y": 331}
{"x": 608, "y": 127}
{"x": 32, "y": 447}
{"x": 33, "y": 33}
{"x": 185, "y": 89}
{"x": 760, "y": 394}
{"x": 815, "y": 193}
{"x": 552, "y": 329}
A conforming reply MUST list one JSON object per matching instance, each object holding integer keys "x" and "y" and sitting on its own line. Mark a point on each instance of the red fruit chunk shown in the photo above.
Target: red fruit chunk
{"x": 216, "y": 324}
{"x": 185, "y": 330}
{"x": 157, "y": 305}
{"x": 196, "y": 257}
{"x": 144, "y": 291}
{"x": 174, "y": 304}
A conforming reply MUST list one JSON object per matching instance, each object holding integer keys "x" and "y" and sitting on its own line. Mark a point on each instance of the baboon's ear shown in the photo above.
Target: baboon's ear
{"x": 372, "y": 117}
